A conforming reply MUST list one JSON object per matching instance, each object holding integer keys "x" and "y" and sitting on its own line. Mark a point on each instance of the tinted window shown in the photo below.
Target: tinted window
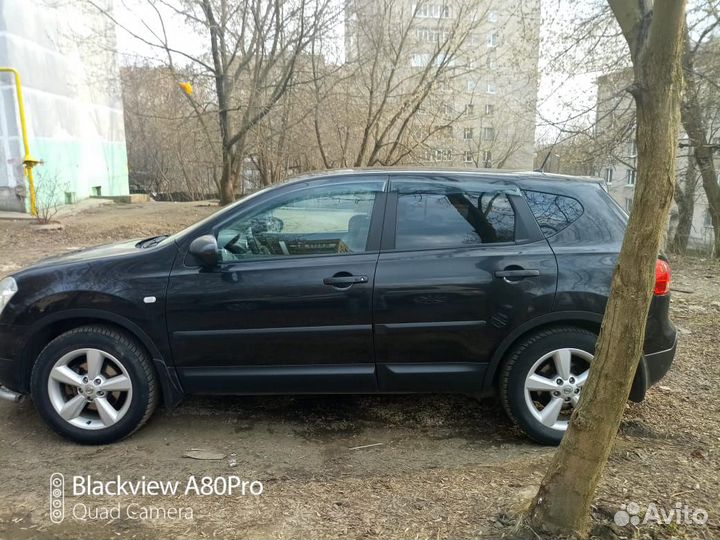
{"x": 553, "y": 212}
{"x": 325, "y": 220}
{"x": 435, "y": 215}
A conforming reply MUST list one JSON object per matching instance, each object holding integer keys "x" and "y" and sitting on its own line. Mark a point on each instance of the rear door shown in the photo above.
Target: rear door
{"x": 462, "y": 263}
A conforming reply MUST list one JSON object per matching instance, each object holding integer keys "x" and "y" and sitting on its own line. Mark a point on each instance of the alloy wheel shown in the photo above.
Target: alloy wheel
{"x": 554, "y": 384}
{"x": 90, "y": 389}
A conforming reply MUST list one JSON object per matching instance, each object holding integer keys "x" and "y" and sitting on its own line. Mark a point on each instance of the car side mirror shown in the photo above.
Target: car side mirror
{"x": 205, "y": 250}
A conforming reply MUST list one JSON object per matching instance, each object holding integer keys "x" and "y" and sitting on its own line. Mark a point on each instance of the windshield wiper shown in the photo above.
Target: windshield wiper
{"x": 150, "y": 242}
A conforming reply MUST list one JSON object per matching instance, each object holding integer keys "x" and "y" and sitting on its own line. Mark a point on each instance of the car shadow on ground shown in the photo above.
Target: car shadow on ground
{"x": 437, "y": 416}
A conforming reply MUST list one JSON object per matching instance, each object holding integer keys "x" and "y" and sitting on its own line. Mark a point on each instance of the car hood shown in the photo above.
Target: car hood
{"x": 125, "y": 247}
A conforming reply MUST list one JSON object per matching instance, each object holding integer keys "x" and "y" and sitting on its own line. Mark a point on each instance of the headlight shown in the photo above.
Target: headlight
{"x": 8, "y": 288}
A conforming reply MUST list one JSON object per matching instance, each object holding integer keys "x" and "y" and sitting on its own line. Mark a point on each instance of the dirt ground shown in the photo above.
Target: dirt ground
{"x": 439, "y": 466}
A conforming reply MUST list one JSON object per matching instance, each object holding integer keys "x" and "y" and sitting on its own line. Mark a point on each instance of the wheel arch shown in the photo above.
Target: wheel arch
{"x": 581, "y": 319}
{"x": 56, "y": 324}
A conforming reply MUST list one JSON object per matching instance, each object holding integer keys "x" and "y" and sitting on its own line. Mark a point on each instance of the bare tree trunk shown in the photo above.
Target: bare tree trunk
{"x": 694, "y": 124}
{"x": 654, "y": 35}
{"x": 227, "y": 184}
{"x": 685, "y": 200}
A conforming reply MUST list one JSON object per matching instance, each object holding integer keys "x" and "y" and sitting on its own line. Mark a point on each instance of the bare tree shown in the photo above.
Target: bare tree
{"x": 252, "y": 49}
{"x": 685, "y": 196}
{"x": 170, "y": 153}
{"x": 695, "y": 124}
{"x": 653, "y": 31}
{"x": 401, "y": 63}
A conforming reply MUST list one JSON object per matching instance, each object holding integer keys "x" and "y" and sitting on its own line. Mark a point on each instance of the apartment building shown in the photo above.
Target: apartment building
{"x": 64, "y": 54}
{"x": 482, "y": 57}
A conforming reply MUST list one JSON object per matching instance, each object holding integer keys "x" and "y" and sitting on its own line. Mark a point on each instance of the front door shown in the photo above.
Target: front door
{"x": 461, "y": 265}
{"x": 289, "y": 307}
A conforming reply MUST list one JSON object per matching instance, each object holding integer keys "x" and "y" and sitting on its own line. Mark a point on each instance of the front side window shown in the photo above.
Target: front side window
{"x": 452, "y": 214}
{"x": 553, "y": 212}
{"x": 327, "y": 220}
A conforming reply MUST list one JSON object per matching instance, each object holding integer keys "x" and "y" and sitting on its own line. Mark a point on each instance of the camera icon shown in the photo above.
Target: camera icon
{"x": 57, "y": 498}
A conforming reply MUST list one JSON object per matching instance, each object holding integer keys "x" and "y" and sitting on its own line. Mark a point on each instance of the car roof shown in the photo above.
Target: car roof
{"x": 519, "y": 177}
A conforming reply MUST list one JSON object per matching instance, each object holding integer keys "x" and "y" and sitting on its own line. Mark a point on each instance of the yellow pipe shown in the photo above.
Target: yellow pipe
{"x": 28, "y": 162}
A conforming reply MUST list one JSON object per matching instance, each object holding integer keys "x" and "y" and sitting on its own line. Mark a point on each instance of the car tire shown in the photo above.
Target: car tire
{"x": 94, "y": 384}
{"x": 541, "y": 379}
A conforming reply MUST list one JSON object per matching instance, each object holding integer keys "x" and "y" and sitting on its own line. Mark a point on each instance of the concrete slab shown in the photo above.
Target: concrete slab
{"x": 4, "y": 214}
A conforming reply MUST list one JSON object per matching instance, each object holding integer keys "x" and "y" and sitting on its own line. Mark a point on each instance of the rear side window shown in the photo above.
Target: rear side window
{"x": 438, "y": 215}
{"x": 553, "y": 212}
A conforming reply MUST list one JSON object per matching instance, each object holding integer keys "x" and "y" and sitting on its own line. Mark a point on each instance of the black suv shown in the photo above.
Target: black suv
{"x": 366, "y": 281}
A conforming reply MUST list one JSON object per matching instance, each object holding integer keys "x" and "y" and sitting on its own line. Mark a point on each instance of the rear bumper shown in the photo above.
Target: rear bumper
{"x": 652, "y": 368}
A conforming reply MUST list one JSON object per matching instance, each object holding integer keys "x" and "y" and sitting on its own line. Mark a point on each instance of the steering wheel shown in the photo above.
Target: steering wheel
{"x": 234, "y": 248}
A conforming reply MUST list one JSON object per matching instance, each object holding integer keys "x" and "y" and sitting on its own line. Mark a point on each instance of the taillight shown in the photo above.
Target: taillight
{"x": 662, "y": 278}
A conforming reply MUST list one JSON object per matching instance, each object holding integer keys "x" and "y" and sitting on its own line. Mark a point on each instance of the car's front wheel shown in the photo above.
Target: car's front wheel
{"x": 94, "y": 385}
{"x": 542, "y": 378}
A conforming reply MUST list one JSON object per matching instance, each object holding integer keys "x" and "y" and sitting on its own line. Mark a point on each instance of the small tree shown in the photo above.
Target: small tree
{"x": 653, "y": 31}
{"x": 50, "y": 191}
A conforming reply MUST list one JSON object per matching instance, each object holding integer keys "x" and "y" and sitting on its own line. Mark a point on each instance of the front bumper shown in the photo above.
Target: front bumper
{"x": 652, "y": 368}
{"x": 12, "y": 369}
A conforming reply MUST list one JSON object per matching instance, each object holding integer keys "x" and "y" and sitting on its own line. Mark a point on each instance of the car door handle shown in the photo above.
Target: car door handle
{"x": 343, "y": 281}
{"x": 516, "y": 274}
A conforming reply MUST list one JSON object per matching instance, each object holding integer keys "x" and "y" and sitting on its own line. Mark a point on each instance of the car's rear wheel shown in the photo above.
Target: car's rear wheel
{"x": 542, "y": 378}
{"x": 94, "y": 385}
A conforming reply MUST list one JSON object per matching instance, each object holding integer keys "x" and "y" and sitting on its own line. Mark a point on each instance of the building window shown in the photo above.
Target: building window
{"x": 474, "y": 39}
{"x": 632, "y": 149}
{"x": 492, "y": 16}
{"x": 487, "y": 159}
{"x": 468, "y": 134}
{"x": 432, "y": 36}
{"x": 442, "y": 86}
{"x": 468, "y": 157}
{"x": 442, "y": 154}
{"x": 432, "y": 11}
{"x": 472, "y": 85}
{"x": 608, "y": 176}
{"x": 419, "y": 60}
{"x": 492, "y": 39}
{"x": 628, "y": 205}
{"x": 631, "y": 175}
{"x": 469, "y": 109}
{"x": 422, "y": 10}
{"x": 708, "y": 218}
{"x": 491, "y": 60}
{"x": 491, "y": 88}
{"x": 489, "y": 133}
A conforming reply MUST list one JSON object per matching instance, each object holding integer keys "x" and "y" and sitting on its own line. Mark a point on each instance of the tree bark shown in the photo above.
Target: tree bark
{"x": 227, "y": 184}
{"x": 694, "y": 124}
{"x": 685, "y": 200}
{"x": 654, "y": 34}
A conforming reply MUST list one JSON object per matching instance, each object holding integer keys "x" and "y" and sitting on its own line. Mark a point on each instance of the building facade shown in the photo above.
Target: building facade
{"x": 65, "y": 56}
{"x": 483, "y": 56}
{"x": 615, "y": 133}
